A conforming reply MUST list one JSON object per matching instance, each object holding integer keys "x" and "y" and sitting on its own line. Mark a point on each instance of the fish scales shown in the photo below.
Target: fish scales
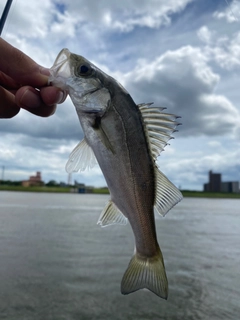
{"x": 126, "y": 140}
{"x": 130, "y": 166}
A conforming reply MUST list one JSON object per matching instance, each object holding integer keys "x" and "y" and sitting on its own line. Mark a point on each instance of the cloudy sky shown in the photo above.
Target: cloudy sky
{"x": 181, "y": 54}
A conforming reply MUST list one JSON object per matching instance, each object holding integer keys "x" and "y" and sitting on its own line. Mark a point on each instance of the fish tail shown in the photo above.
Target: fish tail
{"x": 146, "y": 273}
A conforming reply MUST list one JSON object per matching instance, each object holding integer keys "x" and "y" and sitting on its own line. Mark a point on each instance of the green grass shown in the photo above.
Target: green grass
{"x": 201, "y": 194}
{"x": 186, "y": 193}
{"x": 101, "y": 191}
{"x": 34, "y": 189}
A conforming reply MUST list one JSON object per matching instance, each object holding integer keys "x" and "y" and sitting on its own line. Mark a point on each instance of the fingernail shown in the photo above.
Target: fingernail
{"x": 60, "y": 97}
{"x": 30, "y": 99}
{"x": 44, "y": 71}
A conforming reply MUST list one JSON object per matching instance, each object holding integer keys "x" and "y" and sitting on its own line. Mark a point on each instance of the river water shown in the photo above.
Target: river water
{"x": 57, "y": 264}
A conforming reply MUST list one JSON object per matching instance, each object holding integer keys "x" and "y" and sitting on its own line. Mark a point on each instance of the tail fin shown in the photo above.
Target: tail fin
{"x": 146, "y": 273}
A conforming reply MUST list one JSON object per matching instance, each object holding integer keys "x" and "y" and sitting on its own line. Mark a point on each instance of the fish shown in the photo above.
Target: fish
{"x": 125, "y": 139}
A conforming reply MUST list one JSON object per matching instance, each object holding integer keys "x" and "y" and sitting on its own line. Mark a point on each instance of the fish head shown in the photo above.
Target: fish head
{"x": 82, "y": 80}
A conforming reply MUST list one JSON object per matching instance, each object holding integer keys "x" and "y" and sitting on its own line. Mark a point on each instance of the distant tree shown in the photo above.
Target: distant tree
{"x": 16, "y": 183}
{"x": 10, "y": 183}
{"x": 52, "y": 183}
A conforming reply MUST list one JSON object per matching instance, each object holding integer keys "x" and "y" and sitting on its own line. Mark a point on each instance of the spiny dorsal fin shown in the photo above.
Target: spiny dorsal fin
{"x": 111, "y": 215}
{"x": 167, "y": 194}
{"x": 159, "y": 127}
{"x": 81, "y": 158}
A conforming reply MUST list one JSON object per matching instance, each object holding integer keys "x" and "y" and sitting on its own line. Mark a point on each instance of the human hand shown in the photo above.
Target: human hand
{"x": 24, "y": 84}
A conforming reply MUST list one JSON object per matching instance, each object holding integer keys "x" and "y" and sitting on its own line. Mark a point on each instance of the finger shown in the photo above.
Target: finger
{"x": 43, "y": 111}
{"x": 20, "y": 67}
{"x": 30, "y": 99}
{"x": 7, "y": 82}
{"x": 8, "y": 107}
{"x": 52, "y": 95}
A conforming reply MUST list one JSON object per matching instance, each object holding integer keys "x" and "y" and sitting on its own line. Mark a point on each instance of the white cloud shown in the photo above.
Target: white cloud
{"x": 204, "y": 34}
{"x": 59, "y": 20}
{"x": 64, "y": 25}
{"x": 183, "y": 81}
{"x": 127, "y": 14}
{"x": 231, "y": 13}
{"x": 6, "y": 153}
{"x": 170, "y": 52}
{"x": 64, "y": 124}
{"x": 30, "y": 19}
{"x": 225, "y": 51}
{"x": 193, "y": 158}
{"x": 214, "y": 144}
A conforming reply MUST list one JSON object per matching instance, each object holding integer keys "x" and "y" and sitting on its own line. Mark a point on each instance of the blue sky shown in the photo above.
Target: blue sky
{"x": 181, "y": 54}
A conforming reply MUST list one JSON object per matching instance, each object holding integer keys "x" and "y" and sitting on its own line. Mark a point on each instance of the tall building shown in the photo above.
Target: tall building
{"x": 214, "y": 184}
{"x": 33, "y": 180}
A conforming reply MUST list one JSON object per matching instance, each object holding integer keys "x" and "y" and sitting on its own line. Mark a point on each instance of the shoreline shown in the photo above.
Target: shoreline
{"x": 185, "y": 193}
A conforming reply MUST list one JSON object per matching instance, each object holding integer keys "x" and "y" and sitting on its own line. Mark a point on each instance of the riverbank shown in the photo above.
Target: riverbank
{"x": 202, "y": 194}
{"x": 50, "y": 189}
{"x": 186, "y": 193}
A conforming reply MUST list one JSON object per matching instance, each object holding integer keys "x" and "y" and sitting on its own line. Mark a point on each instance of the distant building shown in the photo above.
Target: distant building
{"x": 215, "y": 184}
{"x": 231, "y": 186}
{"x": 82, "y": 188}
{"x": 33, "y": 181}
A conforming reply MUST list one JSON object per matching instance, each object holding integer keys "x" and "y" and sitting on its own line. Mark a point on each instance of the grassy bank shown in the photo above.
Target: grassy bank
{"x": 186, "y": 193}
{"x": 201, "y": 194}
{"x": 48, "y": 189}
{"x": 100, "y": 191}
{"x": 34, "y": 189}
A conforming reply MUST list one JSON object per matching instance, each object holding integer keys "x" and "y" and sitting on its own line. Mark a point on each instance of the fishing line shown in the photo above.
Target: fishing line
{"x": 10, "y": 17}
{"x": 5, "y": 14}
{"x": 231, "y": 10}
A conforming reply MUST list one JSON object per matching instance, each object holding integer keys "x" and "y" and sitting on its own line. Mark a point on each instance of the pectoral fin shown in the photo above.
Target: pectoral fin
{"x": 81, "y": 158}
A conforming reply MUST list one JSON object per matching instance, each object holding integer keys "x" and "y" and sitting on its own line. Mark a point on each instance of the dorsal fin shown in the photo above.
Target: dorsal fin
{"x": 159, "y": 126}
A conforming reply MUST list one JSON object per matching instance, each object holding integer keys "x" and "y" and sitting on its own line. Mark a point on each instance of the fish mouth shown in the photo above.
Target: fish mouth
{"x": 60, "y": 71}
{"x": 62, "y": 76}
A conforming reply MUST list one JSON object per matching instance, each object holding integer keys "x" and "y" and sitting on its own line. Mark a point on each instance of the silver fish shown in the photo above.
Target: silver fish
{"x": 125, "y": 139}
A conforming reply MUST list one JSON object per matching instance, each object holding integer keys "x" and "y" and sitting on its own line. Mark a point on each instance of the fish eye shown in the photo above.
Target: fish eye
{"x": 84, "y": 70}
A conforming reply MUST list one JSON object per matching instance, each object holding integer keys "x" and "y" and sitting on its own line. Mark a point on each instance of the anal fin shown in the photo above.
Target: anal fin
{"x": 111, "y": 215}
{"x": 167, "y": 194}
